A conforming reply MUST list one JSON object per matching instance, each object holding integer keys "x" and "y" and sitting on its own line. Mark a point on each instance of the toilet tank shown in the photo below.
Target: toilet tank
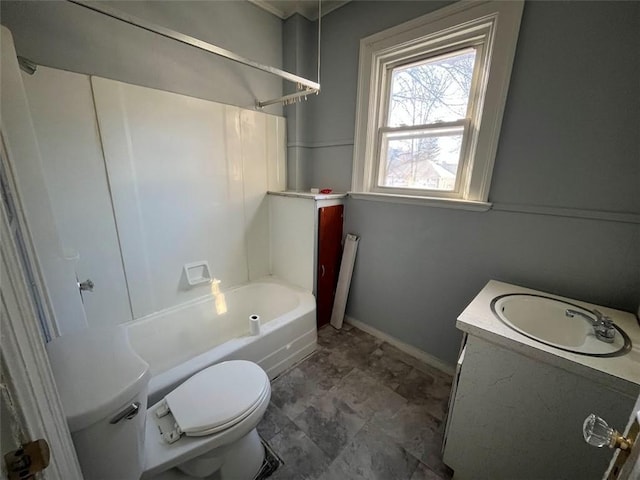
{"x": 103, "y": 386}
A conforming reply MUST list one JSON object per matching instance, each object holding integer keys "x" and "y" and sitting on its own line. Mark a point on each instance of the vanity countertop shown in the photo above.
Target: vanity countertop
{"x": 621, "y": 373}
{"x": 309, "y": 195}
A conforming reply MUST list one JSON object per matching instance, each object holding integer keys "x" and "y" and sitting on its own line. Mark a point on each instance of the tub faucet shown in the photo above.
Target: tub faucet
{"x": 602, "y": 325}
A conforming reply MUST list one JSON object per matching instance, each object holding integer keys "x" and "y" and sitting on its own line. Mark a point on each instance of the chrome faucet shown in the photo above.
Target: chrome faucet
{"x": 602, "y": 325}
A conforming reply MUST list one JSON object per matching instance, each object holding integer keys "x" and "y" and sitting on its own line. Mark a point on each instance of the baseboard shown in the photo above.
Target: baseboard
{"x": 405, "y": 347}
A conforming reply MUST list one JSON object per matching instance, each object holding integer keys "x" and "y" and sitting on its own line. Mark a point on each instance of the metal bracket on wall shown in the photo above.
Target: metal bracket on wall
{"x": 304, "y": 86}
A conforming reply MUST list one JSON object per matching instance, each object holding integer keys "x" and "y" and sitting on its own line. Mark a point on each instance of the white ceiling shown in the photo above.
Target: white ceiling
{"x": 307, "y": 8}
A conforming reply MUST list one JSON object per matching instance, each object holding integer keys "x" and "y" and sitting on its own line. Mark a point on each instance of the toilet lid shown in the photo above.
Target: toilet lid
{"x": 218, "y": 397}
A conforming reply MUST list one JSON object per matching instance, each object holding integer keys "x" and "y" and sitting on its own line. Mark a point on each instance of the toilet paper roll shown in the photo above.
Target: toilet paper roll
{"x": 254, "y": 324}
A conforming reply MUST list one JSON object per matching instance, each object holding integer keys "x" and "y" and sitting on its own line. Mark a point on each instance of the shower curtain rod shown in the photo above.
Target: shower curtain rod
{"x": 305, "y": 86}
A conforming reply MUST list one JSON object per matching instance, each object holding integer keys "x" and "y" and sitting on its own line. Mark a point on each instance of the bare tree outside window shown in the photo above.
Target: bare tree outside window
{"x": 422, "y": 143}
{"x": 431, "y": 96}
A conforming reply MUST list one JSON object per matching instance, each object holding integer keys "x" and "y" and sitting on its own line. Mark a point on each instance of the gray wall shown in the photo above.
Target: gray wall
{"x": 67, "y": 36}
{"x": 300, "y": 52}
{"x": 329, "y": 138}
{"x": 569, "y": 148}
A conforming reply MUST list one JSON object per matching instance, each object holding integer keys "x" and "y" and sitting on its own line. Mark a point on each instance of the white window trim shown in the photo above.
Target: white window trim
{"x": 378, "y": 50}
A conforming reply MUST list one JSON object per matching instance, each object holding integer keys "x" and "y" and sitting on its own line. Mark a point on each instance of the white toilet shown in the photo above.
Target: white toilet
{"x": 206, "y": 427}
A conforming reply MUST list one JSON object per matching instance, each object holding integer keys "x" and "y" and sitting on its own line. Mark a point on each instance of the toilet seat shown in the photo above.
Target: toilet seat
{"x": 213, "y": 400}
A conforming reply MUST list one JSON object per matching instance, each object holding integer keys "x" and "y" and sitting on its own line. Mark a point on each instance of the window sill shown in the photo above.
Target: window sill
{"x": 426, "y": 201}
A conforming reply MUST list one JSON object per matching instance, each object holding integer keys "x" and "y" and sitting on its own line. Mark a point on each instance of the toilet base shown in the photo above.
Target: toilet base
{"x": 238, "y": 461}
{"x": 269, "y": 465}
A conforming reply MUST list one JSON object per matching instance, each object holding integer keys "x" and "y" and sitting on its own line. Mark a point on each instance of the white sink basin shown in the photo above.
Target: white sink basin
{"x": 545, "y": 320}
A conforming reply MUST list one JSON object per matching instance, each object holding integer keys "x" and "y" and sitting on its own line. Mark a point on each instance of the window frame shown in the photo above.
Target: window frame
{"x": 454, "y": 28}
{"x": 466, "y": 123}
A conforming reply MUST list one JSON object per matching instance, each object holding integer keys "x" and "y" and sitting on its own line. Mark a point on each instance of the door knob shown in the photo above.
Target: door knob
{"x": 31, "y": 458}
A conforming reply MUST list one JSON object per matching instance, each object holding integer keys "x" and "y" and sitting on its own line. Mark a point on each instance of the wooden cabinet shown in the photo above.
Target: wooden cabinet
{"x": 306, "y": 243}
{"x": 330, "y": 221}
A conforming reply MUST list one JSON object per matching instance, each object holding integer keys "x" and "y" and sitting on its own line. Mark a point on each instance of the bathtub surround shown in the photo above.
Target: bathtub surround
{"x": 566, "y": 203}
{"x": 74, "y": 180}
{"x": 165, "y": 180}
{"x": 201, "y": 171}
{"x": 293, "y": 222}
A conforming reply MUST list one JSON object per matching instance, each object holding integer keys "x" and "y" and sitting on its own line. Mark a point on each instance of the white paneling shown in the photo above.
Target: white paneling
{"x": 188, "y": 179}
{"x": 254, "y": 167}
{"x": 121, "y": 172}
{"x": 24, "y": 155}
{"x": 264, "y": 167}
{"x": 276, "y": 153}
{"x": 63, "y": 114}
{"x": 176, "y": 193}
{"x": 292, "y": 239}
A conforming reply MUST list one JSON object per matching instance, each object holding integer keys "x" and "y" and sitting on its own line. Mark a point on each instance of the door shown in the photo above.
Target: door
{"x": 329, "y": 254}
{"x": 30, "y": 408}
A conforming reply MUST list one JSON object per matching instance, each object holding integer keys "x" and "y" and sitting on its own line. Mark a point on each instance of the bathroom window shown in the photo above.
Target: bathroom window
{"x": 430, "y": 102}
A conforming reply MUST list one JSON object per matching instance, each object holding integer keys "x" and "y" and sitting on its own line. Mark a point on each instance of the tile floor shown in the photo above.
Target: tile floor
{"x": 358, "y": 408}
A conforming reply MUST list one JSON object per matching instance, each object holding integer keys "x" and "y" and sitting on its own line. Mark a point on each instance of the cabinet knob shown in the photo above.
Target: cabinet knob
{"x": 598, "y": 433}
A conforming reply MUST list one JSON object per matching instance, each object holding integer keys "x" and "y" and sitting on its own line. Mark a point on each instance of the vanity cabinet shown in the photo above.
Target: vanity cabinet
{"x": 518, "y": 418}
{"x": 517, "y": 408}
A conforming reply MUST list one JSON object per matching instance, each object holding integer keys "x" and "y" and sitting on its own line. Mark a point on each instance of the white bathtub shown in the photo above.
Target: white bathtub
{"x": 181, "y": 341}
